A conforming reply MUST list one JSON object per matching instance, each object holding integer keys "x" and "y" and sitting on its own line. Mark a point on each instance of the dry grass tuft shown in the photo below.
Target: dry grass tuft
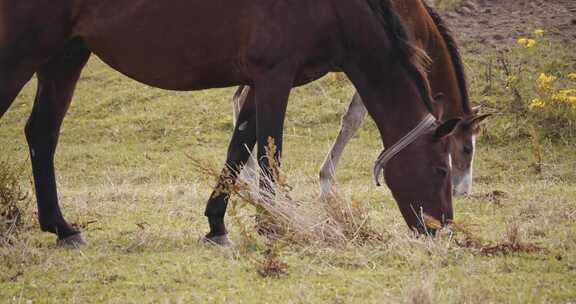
{"x": 512, "y": 243}
{"x": 13, "y": 201}
{"x": 331, "y": 220}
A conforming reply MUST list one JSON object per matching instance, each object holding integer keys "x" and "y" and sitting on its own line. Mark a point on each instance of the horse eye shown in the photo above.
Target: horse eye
{"x": 443, "y": 172}
{"x": 468, "y": 149}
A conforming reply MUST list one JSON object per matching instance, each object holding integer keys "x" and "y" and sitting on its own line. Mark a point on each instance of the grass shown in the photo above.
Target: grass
{"x": 446, "y": 5}
{"x": 124, "y": 175}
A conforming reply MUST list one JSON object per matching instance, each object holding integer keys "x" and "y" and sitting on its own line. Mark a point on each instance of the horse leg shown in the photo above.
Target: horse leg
{"x": 242, "y": 142}
{"x": 272, "y": 95}
{"x": 351, "y": 121}
{"x": 240, "y": 98}
{"x": 238, "y": 101}
{"x": 271, "y": 102}
{"x": 56, "y": 82}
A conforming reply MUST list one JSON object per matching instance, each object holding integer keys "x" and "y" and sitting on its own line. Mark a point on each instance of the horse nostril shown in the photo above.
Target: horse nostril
{"x": 468, "y": 149}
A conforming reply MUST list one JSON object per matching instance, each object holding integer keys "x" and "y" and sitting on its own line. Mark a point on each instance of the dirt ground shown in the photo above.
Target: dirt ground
{"x": 500, "y": 22}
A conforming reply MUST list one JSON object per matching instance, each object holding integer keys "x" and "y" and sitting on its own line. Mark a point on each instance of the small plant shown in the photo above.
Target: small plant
{"x": 13, "y": 199}
{"x": 272, "y": 266}
{"x": 537, "y": 150}
{"x": 248, "y": 242}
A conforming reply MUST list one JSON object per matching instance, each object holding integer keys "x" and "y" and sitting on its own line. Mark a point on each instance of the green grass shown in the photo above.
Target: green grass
{"x": 446, "y": 5}
{"x": 121, "y": 162}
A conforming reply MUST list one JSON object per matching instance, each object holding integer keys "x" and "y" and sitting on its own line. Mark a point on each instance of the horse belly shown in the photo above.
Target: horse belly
{"x": 172, "y": 44}
{"x": 173, "y": 72}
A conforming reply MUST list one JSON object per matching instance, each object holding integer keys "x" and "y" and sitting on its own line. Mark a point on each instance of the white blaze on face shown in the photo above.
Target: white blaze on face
{"x": 472, "y": 162}
{"x": 465, "y": 185}
{"x": 450, "y": 161}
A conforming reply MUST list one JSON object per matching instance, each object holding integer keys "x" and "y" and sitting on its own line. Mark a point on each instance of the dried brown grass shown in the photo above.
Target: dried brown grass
{"x": 332, "y": 220}
{"x": 14, "y": 201}
{"x": 463, "y": 237}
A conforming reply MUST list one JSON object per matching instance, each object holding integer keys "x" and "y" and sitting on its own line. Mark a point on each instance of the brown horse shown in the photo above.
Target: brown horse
{"x": 448, "y": 84}
{"x": 271, "y": 45}
{"x": 447, "y": 79}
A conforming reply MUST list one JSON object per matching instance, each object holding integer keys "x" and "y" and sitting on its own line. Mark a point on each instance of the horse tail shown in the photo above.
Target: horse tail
{"x": 414, "y": 59}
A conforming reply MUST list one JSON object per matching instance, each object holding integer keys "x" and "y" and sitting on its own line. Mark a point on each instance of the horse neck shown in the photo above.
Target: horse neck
{"x": 403, "y": 111}
{"x": 443, "y": 80}
{"x": 442, "y": 71}
{"x": 393, "y": 102}
{"x": 386, "y": 86}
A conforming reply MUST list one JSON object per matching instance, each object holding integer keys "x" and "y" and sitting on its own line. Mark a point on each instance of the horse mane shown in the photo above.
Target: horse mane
{"x": 414, "y": 59}
{"x": 454, "y": 55}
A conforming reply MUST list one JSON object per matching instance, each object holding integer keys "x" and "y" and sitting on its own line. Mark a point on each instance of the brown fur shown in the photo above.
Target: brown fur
{"x": 271, "y": 45}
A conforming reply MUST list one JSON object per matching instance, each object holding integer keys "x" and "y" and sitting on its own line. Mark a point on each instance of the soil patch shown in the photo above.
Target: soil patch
{"x": 501, "y": 22}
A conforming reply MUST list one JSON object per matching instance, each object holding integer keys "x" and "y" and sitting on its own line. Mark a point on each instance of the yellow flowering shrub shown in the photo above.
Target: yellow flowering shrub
{"x": 527, "y": 42}
{"x": 553, "y": 103}
{"x": 531, "y": 42}
{"x": 567, "y": 96}
{"x": 537, "y": 103}
{"x": 537, "y": 77}
{"x": 545, "y": 82}
{"x": 548, "y": 95}
{"x": 544, "y": 90}
{"x": 538, "y": 33}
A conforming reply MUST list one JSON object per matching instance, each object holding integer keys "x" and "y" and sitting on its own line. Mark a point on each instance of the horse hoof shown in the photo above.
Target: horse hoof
{"x": 74, "y": 241}
{"x": 219, "y": 240}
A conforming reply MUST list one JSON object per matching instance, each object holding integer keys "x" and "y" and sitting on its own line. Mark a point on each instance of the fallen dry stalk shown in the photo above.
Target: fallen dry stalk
{"x": 511, "y": 243}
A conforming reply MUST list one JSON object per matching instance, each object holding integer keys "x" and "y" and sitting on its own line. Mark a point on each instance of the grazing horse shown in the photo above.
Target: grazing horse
{"x": 271, "y": 45}
{"x": 447, "y": 81}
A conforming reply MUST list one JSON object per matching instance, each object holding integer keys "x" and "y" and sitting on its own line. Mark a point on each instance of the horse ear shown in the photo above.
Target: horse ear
{"x": 439, "y": 101}
{"x": 474, "y": 122}
{"x": 447, "y": 128}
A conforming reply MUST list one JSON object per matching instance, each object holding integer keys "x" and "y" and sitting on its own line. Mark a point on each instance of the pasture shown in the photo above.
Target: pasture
{"x": 125, "y": 177}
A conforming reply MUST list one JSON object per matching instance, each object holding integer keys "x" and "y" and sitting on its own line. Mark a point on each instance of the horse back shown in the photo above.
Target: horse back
{"x": 191, "y": 44}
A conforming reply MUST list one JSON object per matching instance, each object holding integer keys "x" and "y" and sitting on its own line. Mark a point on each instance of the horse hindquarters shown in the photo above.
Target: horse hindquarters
{"x": 56, "y": 83}
{"x": 12, "y": 78}
{"x": 30, "y": 33}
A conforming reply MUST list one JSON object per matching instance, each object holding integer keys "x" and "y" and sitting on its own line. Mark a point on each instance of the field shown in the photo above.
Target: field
{"x": 125, "y": 177}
